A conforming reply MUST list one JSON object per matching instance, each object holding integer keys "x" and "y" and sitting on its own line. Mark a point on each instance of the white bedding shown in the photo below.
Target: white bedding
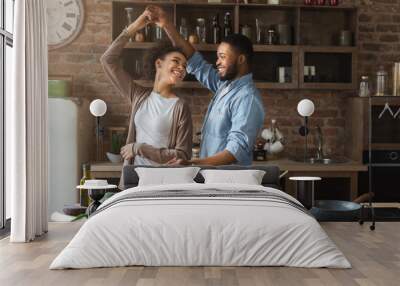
{"x": 200, "y": 231}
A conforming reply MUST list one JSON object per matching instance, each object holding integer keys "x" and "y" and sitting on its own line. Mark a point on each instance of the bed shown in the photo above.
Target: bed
{"x": 197, "y": 224}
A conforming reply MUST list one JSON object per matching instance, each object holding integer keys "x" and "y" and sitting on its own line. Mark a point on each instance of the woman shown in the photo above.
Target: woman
{"x": 160, "y": 126}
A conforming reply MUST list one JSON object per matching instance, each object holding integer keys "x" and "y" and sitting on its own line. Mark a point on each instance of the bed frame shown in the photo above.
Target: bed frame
{"x": 270, "y": 179}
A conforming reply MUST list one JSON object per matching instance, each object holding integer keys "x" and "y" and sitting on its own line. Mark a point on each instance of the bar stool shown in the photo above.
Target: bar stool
{"x": 305, "y": 187}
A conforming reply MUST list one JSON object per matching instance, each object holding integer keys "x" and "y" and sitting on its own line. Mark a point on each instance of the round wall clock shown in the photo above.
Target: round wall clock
{"x": 64, "y": 21}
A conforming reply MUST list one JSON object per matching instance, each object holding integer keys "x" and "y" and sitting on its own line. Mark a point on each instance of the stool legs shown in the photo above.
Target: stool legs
{"x": 305, "y": 193}
{"x": 96, "y": 195}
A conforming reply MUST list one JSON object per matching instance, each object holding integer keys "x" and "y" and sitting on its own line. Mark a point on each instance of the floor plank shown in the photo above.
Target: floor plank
{"x": 375, "y": 257}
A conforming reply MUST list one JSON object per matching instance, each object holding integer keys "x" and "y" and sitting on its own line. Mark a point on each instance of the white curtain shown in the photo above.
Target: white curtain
{"x": 26, "y": 123}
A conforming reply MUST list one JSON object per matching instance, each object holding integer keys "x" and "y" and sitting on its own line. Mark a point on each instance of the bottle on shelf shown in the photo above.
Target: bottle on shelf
{"x": 183, "y": 29}
{"x": 227, "y": 25}
{"x": 259, "y": 30}
{"x": 84, "y": 196}
{"x": 216, "y": 30}
{"x": 246, "y": 31}
{"x": 147, "y": 33}
{"x": 201, "y": 30}
{"x": 129, "y": 18}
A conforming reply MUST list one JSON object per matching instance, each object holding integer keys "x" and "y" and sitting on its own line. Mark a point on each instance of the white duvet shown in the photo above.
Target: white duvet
{"x": 200, "y": 231}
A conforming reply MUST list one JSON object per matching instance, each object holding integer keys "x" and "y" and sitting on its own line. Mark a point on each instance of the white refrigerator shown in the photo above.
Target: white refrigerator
{"x": 71, "y": 133}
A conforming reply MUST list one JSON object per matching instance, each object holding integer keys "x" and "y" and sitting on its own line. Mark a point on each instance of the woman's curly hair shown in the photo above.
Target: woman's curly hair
{"x": 158, "y": 52}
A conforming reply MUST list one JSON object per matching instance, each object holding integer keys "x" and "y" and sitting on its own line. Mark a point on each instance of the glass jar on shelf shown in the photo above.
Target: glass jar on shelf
{"x": 246, "y": 31}
{"x": 183, "y": 29}
{"x": 270, "y": 37}
{"x": 159, "y": 34}
{"x": 364, "y": 87}
{"x": 381, "y": 82}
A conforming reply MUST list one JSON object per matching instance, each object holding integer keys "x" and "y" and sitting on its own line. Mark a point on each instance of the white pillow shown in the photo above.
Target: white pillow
{"x": 248, "y": 177}
{"x": 166, "y": 176}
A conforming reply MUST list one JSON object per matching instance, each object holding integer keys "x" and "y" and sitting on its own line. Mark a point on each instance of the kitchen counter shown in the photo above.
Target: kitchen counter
{"x": 347, "y": 170}
{"x": 291, "y": 166}
{"x": 105, "y": 167}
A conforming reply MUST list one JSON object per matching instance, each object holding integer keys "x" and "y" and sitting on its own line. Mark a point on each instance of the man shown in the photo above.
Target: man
{"x": 235, "y": 114}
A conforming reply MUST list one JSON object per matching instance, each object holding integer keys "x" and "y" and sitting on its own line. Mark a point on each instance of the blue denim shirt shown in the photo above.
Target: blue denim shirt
{"x": 235, "y": 114}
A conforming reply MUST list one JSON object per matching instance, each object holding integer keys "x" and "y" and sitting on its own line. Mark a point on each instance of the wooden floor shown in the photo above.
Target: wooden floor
{"x": 375, "y": 257}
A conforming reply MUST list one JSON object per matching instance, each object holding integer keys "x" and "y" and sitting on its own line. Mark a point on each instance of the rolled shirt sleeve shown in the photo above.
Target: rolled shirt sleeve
{"x": 247, "y": 120}
{"x": 204, "y": 72}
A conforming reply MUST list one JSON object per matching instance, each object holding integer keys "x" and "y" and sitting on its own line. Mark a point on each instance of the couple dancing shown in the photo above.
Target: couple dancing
{"x": 160, "y": 129}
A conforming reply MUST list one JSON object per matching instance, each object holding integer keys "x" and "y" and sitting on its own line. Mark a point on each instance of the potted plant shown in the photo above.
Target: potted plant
{"x": 116, "y": 144}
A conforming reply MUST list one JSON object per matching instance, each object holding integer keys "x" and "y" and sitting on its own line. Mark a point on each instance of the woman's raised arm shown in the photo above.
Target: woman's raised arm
{"x": 111, "y": 62}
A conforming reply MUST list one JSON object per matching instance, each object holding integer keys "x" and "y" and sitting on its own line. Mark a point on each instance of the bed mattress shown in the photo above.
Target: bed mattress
{"x": 201, "y": 225}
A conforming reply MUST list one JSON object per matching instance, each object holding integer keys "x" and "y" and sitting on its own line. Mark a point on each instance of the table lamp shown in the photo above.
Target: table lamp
{"x": 98, "y": 108}
{"x": 305, "y": 108}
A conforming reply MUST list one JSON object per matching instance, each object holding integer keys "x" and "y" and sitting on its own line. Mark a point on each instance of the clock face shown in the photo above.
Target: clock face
{"x": 64, "y": 21}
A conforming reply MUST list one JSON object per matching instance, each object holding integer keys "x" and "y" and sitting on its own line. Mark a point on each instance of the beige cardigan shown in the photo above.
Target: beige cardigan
{"x": 180, "y": 138}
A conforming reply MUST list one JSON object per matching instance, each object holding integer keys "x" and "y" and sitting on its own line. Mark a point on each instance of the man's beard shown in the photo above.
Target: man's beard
{"x": 231, "y": 72}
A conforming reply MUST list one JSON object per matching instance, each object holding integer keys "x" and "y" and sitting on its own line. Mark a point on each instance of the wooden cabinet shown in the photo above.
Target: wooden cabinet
{"x": 386, "y": 131}
{"x": 314, "y": 41}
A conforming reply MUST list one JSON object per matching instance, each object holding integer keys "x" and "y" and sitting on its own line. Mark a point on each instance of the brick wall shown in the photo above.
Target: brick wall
{"x": 379, "y": 43}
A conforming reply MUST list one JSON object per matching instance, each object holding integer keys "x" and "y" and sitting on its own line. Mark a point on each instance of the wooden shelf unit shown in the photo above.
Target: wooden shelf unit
{"x": 213, "y": 47}
{"x": 313, "y": 40}
{"x": 329, "y": 61}
{"x": 196, "y": 84}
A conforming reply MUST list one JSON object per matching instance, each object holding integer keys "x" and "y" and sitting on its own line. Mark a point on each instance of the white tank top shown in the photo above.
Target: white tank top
{"x": 153, "y": 122}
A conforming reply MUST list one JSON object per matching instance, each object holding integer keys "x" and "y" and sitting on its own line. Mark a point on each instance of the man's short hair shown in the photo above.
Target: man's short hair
{"x": 241, "y": 44}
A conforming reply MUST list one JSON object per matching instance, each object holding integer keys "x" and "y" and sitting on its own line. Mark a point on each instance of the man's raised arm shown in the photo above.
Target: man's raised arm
{"x": 159, "y": 17}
